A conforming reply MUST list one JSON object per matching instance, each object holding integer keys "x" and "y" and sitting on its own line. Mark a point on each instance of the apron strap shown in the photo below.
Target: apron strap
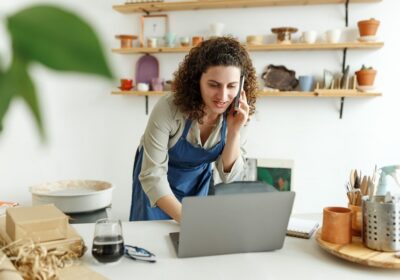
{"x": 186, "y": 129}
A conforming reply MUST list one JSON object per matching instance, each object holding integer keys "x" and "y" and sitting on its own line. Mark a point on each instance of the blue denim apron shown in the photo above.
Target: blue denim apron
{"x": 189, "y": 174}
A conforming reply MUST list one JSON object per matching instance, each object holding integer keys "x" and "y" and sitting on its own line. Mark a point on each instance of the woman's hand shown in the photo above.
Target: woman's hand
{"x": 235, "y": 120}
{"x": 238, "y": 117}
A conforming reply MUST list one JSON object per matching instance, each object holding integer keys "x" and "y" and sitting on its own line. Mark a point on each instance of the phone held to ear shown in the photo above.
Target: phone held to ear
{"x": 236, "y": 101}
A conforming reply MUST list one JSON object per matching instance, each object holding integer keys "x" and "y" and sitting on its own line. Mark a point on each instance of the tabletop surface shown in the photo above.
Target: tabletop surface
{"x": 299, "y": 258}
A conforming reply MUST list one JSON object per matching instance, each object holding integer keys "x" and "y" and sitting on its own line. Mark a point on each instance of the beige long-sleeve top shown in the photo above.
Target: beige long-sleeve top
{"x": 164, "y": 128}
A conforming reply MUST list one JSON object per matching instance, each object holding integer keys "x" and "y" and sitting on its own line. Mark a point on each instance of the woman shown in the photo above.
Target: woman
{"x": 193, "y": 127}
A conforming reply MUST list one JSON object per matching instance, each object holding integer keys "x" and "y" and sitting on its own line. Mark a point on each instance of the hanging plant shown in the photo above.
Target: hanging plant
{"x": 55, "y": 38}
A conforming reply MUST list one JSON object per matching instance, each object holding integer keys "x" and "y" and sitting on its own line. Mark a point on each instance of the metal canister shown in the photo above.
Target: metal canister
{"x": 381, "y": 224}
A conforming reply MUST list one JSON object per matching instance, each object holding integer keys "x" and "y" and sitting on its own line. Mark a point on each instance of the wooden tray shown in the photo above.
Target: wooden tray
{"x": 358, "y": 253}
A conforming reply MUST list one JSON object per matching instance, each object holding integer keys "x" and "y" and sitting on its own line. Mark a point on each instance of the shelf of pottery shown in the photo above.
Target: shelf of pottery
{"x": 343, "y": 84}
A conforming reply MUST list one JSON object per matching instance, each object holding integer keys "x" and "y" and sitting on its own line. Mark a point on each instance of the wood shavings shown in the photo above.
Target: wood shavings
{"x": 34, "y": 261}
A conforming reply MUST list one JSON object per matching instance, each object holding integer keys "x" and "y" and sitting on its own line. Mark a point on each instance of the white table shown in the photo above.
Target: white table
{"x": 299, "y": 259}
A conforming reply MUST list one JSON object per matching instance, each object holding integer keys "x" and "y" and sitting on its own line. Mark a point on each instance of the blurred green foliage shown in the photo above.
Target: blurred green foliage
{"x": 54, "y": 37}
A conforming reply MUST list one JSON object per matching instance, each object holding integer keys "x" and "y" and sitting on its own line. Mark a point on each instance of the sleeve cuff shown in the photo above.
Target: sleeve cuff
{"x": 236, "y": 173}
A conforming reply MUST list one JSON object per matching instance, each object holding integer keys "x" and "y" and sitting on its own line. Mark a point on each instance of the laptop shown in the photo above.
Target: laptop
{"x": 233, "y": 223}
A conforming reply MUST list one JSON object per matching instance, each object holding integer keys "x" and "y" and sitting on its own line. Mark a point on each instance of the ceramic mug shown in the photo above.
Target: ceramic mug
{"x": 356, "y": 224}
{"x": 217, "y": 28}
{"x": 126, "y": 84}
{"x": 306, "y": 83}
{"x": 170, "y": 39}
{"x": 143, "y": 87}
{"x": 157, "y": 84}
{"x": 309, "y": 37}
{"x": 185, "y": 41}
{"x": 152, "y": 42}
{"x": 336, "y": 225}
{"x": 333, "y": 35}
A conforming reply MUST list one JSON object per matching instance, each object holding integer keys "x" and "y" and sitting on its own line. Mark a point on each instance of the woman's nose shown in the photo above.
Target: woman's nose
{"x": 223, "y": 93}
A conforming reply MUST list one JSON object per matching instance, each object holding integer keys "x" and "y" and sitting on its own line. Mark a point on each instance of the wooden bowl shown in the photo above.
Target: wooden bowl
{"x": 284, "y": 34}
{"x": 126, "y": 40}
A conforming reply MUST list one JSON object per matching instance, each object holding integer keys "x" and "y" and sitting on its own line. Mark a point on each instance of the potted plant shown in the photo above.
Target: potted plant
{"x": 368, "y": 27}
{"x": 366, "y": 76}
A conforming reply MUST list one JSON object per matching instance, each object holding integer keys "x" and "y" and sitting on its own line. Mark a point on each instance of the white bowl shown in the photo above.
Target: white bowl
{"x": 73, "y": 196}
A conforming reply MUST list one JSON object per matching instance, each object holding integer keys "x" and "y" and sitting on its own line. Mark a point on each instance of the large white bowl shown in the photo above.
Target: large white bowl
{"x": 74, "y": 196}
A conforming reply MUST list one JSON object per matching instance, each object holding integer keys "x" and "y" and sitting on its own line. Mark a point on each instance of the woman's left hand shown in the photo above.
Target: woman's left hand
{"x": 238, "y": 117}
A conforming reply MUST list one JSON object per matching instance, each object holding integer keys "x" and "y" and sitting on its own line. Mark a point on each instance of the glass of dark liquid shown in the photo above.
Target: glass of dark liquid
{"x": 108, "y": 243}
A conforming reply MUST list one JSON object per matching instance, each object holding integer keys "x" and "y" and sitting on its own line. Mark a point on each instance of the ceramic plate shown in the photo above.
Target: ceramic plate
{"x": 367, "y": 38}
{"x": 365, "y": 88}
{"x": 146, "y": 69}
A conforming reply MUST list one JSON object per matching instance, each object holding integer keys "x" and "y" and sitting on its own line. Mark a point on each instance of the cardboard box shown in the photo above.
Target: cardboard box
{"x": 73, "y": 242}
{"x": 40, "y": 223}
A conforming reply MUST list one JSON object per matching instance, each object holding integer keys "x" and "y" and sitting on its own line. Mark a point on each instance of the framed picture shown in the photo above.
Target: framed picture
{"x": 153, "y": 27}
{"x": 276, "y": 172}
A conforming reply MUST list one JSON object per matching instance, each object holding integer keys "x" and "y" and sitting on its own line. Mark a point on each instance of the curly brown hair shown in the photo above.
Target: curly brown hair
{"x": 220, "y": 51}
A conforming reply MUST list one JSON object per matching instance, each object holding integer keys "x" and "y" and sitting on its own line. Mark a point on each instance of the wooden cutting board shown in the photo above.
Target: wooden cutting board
{"x": 358, "y": 253}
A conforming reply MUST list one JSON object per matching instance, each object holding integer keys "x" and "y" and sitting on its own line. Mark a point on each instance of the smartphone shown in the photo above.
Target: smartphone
{"x": 236, "y": 101}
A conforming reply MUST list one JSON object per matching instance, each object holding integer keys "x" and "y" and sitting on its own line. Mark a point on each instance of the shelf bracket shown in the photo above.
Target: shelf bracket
{"x": 346, "y": 6}
{"x": 147, "y": 104}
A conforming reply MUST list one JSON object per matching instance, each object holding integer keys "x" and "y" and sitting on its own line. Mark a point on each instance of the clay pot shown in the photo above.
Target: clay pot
{"x": 336, "y": 225}
{"x": 368, "y": 27}
{"x": 366, "y": 77}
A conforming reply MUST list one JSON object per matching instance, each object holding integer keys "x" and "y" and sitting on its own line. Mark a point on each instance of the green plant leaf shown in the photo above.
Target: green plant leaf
{"x": 17, "y": 82}
{"x": 5, "y": 97}
{"x": 58, "y": 39}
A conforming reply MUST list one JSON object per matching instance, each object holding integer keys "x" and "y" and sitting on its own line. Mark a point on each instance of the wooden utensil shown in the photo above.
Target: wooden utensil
{"x": 364, "y": 185}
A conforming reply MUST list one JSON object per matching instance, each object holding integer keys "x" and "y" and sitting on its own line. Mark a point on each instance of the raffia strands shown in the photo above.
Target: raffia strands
{"x": 34, "y": 261}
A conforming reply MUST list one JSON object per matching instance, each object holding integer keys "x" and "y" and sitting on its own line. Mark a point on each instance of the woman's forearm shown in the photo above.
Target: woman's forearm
{"x": 170, "y": 205}
{"x": 231, "y": 150}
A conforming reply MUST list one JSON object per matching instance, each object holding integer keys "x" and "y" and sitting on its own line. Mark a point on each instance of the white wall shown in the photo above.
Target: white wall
{"x": 93, "y": 135}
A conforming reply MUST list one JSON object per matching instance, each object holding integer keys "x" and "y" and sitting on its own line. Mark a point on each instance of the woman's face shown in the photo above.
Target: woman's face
{"x": 219, "y": 86}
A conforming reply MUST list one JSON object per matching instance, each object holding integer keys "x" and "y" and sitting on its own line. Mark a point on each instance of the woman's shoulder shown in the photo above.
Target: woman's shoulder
{"x": 166, "y": 108}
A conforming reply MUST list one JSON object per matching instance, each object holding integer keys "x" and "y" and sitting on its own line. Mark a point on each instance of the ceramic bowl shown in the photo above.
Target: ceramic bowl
{"x": 254, "y": 39}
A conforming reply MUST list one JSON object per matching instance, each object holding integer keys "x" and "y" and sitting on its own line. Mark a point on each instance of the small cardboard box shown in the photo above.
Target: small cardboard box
{"x": 40, "y": 223}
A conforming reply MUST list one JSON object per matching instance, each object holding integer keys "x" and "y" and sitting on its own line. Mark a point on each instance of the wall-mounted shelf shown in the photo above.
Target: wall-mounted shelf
{"x": 202, "y": 5}
{"x": 266, "y": 47}
{"x": 332, "y": 93}
{"x": 149, "y": 7}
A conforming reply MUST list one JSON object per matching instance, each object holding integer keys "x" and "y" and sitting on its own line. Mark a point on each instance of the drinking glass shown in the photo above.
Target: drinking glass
{"x": 108, "y": 242}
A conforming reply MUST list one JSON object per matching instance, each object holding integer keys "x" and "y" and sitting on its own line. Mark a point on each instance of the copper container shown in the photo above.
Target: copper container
{"x": 356, "y": 222}
{"x": 336, "y": 225}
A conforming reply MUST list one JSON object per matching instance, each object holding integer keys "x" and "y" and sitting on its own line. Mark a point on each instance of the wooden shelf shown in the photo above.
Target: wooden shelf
{"x": 333, "y": 93}
{"x": 266, "y": 47}
{"x": 139, "y": 93}
{"x": 220, "y": 4}
{"x": 339, "y": 93}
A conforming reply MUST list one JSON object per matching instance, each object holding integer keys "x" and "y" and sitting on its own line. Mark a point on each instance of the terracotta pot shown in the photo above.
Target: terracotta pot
{"x": 356, "y": 221}
{"x": 336, "y": 225}
{"x": 196, "y": 40}
{"x": 366, "y": 77}
{"x": 368, "y": 27}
